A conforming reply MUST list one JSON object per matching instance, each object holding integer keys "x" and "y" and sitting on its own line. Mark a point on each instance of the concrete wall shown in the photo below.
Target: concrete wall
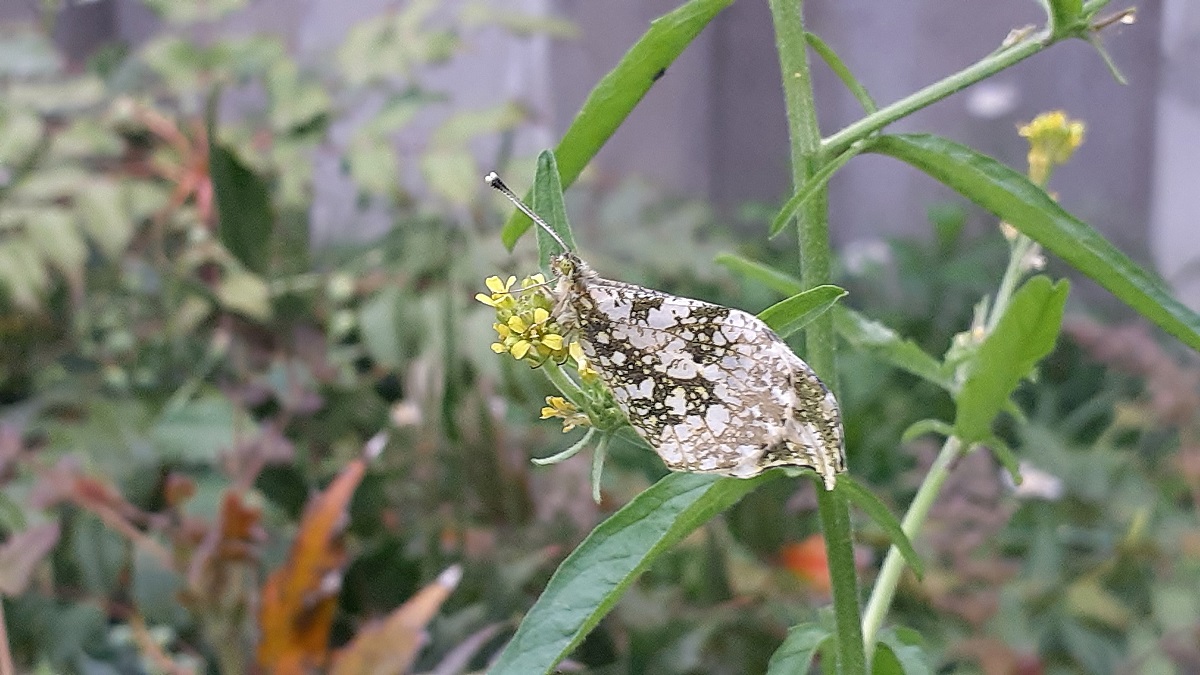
{"x": 714, "y": 125}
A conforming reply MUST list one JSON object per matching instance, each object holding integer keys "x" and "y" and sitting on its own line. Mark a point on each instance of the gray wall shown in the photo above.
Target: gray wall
{"x": 714, "y": 125}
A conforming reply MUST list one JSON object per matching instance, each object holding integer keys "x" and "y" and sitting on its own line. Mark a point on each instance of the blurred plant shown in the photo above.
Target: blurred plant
{"x": 198, "y": 370}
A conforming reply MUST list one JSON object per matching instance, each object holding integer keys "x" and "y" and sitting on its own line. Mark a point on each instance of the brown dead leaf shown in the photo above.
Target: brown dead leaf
{"x": 21, "y": 553}
{"x": 299, "y": 598}
{"x": 389, "y": 646}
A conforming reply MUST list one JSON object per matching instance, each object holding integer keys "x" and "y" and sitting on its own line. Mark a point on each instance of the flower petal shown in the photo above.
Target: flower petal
{"x": 494, "y": 284}
{"x": 520, "y": 349}
{"x": 553, "y": 341}
{"x": 517, "y": 324}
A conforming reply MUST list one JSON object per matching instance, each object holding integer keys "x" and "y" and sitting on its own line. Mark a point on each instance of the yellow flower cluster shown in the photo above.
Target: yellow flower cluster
{"x": 1053, "y": 138}
{"x": 524, "y": 325}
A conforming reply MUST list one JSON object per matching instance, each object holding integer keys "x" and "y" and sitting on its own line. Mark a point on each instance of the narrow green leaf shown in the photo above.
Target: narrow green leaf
{"x": 591, "y": 580}
{"x": 811, "y": 187}
{"x": 614, "y": 97}
{"x": 922, "y": 427}
{"x": 1024, "y": 335}
{"x": 1027, "y": 207}
{"x": 244, "y": 215}
{"x": 1005, "y": 456}
{"x": 799, "y": 648}
{"x": 886, "y": 345}
{"x": 780, "y": 282}
{"x": 839, "y": 68}
{"x": 877, "y": 511}
{"x": 548, "y": 203}
{"x": 789, "y": 316}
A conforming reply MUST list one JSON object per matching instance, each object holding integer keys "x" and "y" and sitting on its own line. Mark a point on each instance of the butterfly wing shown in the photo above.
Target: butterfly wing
{"x": 712, "y": 389}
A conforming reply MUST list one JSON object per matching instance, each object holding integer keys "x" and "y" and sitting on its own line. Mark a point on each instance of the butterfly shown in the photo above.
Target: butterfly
{"x": 710, "y": 388}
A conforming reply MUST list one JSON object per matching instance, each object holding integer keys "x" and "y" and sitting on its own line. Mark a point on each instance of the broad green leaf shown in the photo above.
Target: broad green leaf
{"x": 789, "y": 316}
{"x": 372, "y": 162}
{"x": 199, "y": 430}
{"x": 900, "y": 652}
{"x": 452, "y": 173}
{"x": 614, "y": 97}
{"x": 245, "y": 293}
{"x": 468, "y": 124}
{"x": 877, "y": 511}
{"x": 548, "y": 203}
{"x": 1027, "y": 207}
{"x": 1024, "y": 335}
{"x": 101, "y": 553}
{"x": 154, "y": 590}
{"x": 811, "y": 187}
{"x": 780, "y": 282}
{"x": 886, "y": 345}
{"x": 799, "y": 648}
{"x": 243, "y": 208}
{"x": 591, "y": 580}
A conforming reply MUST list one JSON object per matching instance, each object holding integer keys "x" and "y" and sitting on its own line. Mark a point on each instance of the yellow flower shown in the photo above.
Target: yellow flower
{"x": 501, "y": 297}
{"x": 557, "y": 406}
{"x": 1053, "y": 138}
{"x": 588, "y": 373}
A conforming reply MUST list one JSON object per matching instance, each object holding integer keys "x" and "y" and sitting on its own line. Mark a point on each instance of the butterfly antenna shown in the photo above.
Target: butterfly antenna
{"x": 494, "y": 181}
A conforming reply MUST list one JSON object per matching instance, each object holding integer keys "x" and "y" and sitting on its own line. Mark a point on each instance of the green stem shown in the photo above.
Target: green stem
{"x": 893, "y": 564}
{"x": 816, "y": 264}
{"x": 565, "y": 384}
{"x": 981, "y": 70}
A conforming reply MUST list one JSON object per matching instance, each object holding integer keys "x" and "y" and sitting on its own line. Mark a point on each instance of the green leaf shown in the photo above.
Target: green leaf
{"x": 199, "y": 430}
{"x": 877, "y": 511}
{"x": 1064, "y": 15}
{"x": 886, "y": 345}
{"x": 99, "y": 552}
{"x": 1028, "y": 208}
{"x": 155, "y": 590}
{"x": 548, "y": 203}
{"x": 839, "y": 68}
{"x": 780, "y": 282}
{"x": 811, "y": 187}
{"x": 463, "y": 126}
{"x": 245, "y": 293}
{"x": 1024, "y": 335}
{"x": 243, "y": 208}
{"x": 452, "y": 173}
{"x": 799, "y": 648}
{"x": 614, "y": 97}
{"x": 922, "y": 427}
{"x": 591, "y": 580}
{"x": 901, "y": 652}
{"x": 1005, "y": 456}
{"x": 789, "y": 316}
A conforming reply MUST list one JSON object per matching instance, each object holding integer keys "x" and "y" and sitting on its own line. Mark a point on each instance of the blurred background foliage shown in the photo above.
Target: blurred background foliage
{"x": 181, "y": 369}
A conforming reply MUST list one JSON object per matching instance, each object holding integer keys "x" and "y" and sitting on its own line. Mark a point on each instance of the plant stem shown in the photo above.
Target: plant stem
{"x": 982, "y": 69}
{"x": 893, "y": 564}
{"x": 816, "y": 263}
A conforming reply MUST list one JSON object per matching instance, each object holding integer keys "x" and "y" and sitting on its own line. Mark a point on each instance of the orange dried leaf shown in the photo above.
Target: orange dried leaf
{"x": 806, "y": 559}
{"x": 390, "y": 646}
{"x": 299, "y": 598}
